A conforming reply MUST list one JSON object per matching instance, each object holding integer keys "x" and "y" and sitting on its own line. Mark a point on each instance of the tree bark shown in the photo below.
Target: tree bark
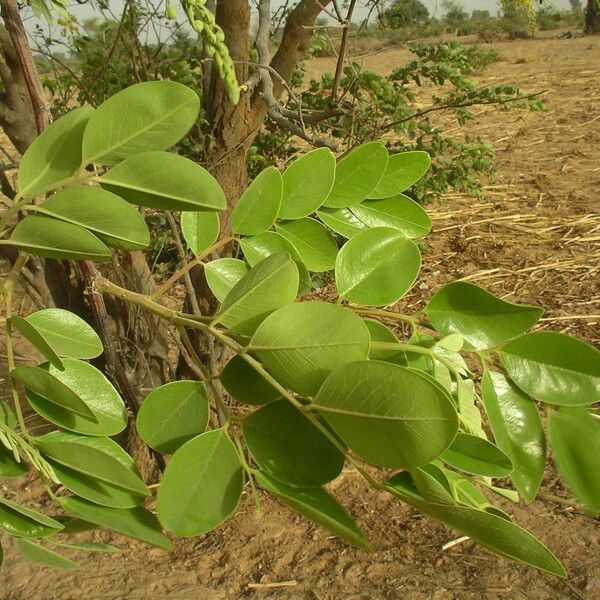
{"x": 592, "y": 17}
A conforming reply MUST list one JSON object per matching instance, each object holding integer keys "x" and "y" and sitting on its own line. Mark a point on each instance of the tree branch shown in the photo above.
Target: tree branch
{"x": 16, "y": 30}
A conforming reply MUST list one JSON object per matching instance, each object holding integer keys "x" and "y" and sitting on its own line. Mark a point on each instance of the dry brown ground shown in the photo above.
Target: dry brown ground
{"x": 536, "y": 239}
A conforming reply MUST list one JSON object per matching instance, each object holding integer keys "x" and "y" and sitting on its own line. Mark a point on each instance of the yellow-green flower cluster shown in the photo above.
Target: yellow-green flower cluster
{"x": 203, "y": 21}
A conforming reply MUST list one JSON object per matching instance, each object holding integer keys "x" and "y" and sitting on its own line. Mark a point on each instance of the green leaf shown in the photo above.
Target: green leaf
{"x": 314, "y": 244}
{"x": 269, "y": 285}
{"x": 165, "y": 181}
{"x": 429, "y": 481}
{"x": 21, "y": 521}
{"x": 464, "y": 491}
{"x": 377, "y": 267}
{"x": 201, "y": 486}
{"x": 55, "y": 156}
{"x": 244, "y": 384}
{"x": 259, "y": 247}
{"x": 87, "y": 546}
{"x": 45, "y": 556}
{"x": 153, "y": 115}
{"x": 68, "y": 334}
{"x": 518, "y": 431}
{"x": 258, "y": 206}
{"x": 98, "y": 394}
{"x": 42, "y": 383}
{"x": 137, "y": 523}
{"x": 492, "y": 531}
{"x": 37, "y": 339}
{"x": 399, "y": 212}
{"x": 575, "y": 438}
{"x": 475, "y": 455}
{"x": 289, "y": 447}
{"x": 342, "y": 221}
{"x": 380, "y": 333}
{"x": 89, "y": 457}
{"x": 91, "y": 487}
{"x": 200, "y": 230}
{"x": 403, "y": 170}
{"x": 114, "y": 221}
{"x": 306, "y": 183}
{"x": 318, "y": 506}
{"x": 554, "y": 368}
{"x": 172, "y": 414}
{"x": 9, "y": 467}
{"x": 222, "y": 275}
{"x": 44, "y": 236}
{"x": 357, "y": 175}
{"x": 302, "y": 343}
{"x": 484, "y": 320}
{"x": 389, "y": 415}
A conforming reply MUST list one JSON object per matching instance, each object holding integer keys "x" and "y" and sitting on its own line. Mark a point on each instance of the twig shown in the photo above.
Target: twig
{"x": 342, "y": 55}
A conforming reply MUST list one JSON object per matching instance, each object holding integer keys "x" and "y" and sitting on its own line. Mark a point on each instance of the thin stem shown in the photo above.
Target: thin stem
{"x": 9, "y": 212}
{"x": 197, "y": 261}
{"x": 177, "y": 319}
{"x": 8, "y": 287}
{"x": 387, "y": 314}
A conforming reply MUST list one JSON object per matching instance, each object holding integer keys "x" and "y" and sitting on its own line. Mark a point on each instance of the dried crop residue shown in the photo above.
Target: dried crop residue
{"x": 536, "y": 238}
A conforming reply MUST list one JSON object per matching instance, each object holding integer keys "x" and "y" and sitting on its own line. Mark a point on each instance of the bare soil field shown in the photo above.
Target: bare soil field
{"x": 536, "y": 239}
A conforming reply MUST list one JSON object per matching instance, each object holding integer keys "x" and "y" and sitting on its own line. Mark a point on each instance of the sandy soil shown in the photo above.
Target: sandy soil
{"x": 536, "y": 239}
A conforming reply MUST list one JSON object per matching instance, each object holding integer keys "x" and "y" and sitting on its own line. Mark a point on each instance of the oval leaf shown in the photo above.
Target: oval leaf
{"x": 55, "y": 156}
{"x": 399, "y": 212}
{"x": 44, "y": 236}
{"x": 575, "y": 438}
{"x": 475, "y": 455}
{"x": 315, "y": 246}
{"x": 258, "y": 206}
{"x": 490, "y": 530}
{"x": 554, "y": 368}
{"x": 302, "y": 343}
{"x": 318, "y": 506}
{"x": 518, "y": 431}
{"x": 377, "y": 267}
{"x": 153, "y": 115}
{"x": 306, "y": 183}
{"x": 389, "y": 415}
{"x": 200, "y": 230}
{"x": 342, "y": 221}
{"x": 269, "y": 285}
{"x": 35, "y": 337}
{"x": 68, "y": 334}
{"x": 357, "y": 175}
{"x": 484, "y": 320}
{"x": 114, "y": 221}
{"x": 91, "y": 487}
{"x": 165, "y": 181}
{"x": 21, "y": 521}
{"x": 98, "y": 394}
{"x": 403, "y": 170}
{"x": 42, "y": 383}
{"x": 137, "y": 523}
{"x": 201, "y": 486}
{"x": 45, "y": 556}
{"x": 172, "y": 414}
{"x": 89, "y": 457}
{"x": 222, "y": 275}
{"x": 287, "y": 446}
{"x": 244, "y": 384}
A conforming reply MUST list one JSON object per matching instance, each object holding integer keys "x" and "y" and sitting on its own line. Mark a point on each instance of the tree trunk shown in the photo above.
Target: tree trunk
{"x": 592, "y": 17}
